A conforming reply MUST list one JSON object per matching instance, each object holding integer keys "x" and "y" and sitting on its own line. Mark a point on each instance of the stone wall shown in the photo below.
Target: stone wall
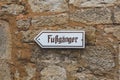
{"x": 22, "y": 59}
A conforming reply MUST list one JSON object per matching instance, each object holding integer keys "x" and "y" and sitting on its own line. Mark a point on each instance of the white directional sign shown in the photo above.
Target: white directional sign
{"x": 61, "y": 39}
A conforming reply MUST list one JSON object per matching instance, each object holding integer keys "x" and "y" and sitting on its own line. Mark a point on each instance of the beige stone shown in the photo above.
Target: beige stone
{"x": 92, "y": 16}
{"x": 84, "y": 76}
{"x": 4, "y": 70}
{"x": 48, "y": 5}
{"x": 14, "y": 9}
{"x": 92, "y": 3}
{"x": 53, "y": 73}
{"x": 117, "y": 14}
{"x": 119, "y": 62}
{"x": 9, "y": 1}
{"x": 30, "y": 71}
{"x": 51, "y": 20}
{"x": 23, "y": 24}
{"x": 90, "y": 35}
{"x": 99, "y": 59}
{"x": 109, "y": 30}
{"x": 119, "y": 54}
{"x": 5, "y": 40}
{"x": 117, "y": 34}
{"x": 115, "y": 30}
{"x": 28, "y": 36}
{"x": 88, "y": 76}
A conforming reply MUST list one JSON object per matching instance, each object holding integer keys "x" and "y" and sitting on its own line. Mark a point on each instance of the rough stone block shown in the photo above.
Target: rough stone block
{"x": 114, "y": 30}
{"x": 45, "y": 57}
{"x": 30, "y": 71}
{"x": 90, "y": 35}
{"x": 117, "y": 14}
{"x": 88, "y": 76}
{"x": 92, "y": 16}
{"x": 100, "y": 59}
{"x": 51, "y": 20}
{"x": 14, "y": 9}
{"x": 119, "y": 58}
{"x": 23, "y": 24}
{"x": 117, "y": 34}
{"x": 48, "y": 5}
{"x": 5, "y": 40}
{"x": 92, "y": 3}
{"x": 4, "y": 70}
{"x": 9, "y": 1}
{"x": 53, "y": 73}
{"x": 28, "y": 36}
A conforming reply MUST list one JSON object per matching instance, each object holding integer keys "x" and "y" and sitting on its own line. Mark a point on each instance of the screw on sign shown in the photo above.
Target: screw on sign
{"x": 61, "y": 39}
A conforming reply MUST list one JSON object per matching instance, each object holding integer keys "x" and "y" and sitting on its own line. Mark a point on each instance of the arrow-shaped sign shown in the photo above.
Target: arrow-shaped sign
{"x": 61, "y": 39}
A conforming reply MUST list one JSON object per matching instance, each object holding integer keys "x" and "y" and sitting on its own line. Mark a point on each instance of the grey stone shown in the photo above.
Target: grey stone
{"x": 117, "y": 14}
{"x": 53, "y": 73}
{"x": 5, "y": 40}
{"x": 53, "y": 56}
{"x": 117, "y": 34}
{"x": 28, "y": 36}
{"x": 84, "y": 76}
{"x": 90, "y": 35}
{"x": 114, "y": 30}
{"x": 92, "y": 3}
{"x": 99, "y": 58}
{"x": 9, "y": 1}
{"x": 119, "y": 55}
{"x": 92, "y": 16}
{"x": 30, "y": 71}
{"x": 23, "y": 24}
{"x": 48, "y": 5}
{"x": 119, "y": 61}
{"x": 4, "y": 70}
{"x": 51, "y": 20}
{"x": 89, "y": 76}
{"x": 14, "y": 9}
{"x": 109, "y": 30}
{"x": 63, "y": 57}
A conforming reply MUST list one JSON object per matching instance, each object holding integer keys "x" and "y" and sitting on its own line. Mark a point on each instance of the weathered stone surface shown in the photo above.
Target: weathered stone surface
{"x": 4, "y": 70}
{"x": 117, "y": 34}
{"x": 119, "y": 61}
{"x": 119, "y": 55}
{"x": 53, "y": 73}
{"x": 9, "y": 1}
{"x": 62, "y": 57}
{"x": 90, "y": 35}
{"x": 51, "y": 20}
{"x": 23, "y": 24}
{"x": 110, "y": 29}
{"x": 52, "y": 56}
{"x": 99, "y": 58}
{"x": 115, "y": 30}
{"x": 89, "y": 76}
{"x": 30, "y": 71}
{"x": 92, "y": 3}
{"x": 28, "y": 61}
{"x": 92, "y": 16}
{"x": 117, "y": 14}
{"x": 5, "y": 40}
{"x": 48, "y": 5}
{"x": 84, "y": 76}
{"x": 14, "y": 9}
{"x": 28, "y": 36}
{"x": 96, "y": 59}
